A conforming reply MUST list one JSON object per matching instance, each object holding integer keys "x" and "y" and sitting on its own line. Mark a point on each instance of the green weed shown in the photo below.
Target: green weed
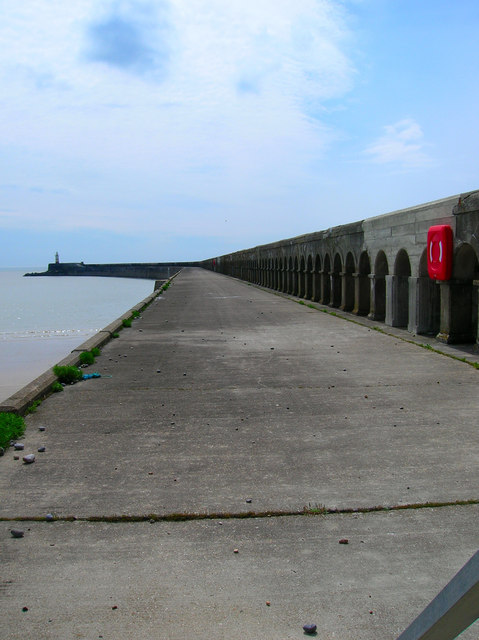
{"x": 57, "y": 387}
{"x": 11, "y": 428}
{"x": 126, "y": 322}
{"x": 87, "y": 357}
{"x": 33, "y": 407}
{"x": 67, "y": 375}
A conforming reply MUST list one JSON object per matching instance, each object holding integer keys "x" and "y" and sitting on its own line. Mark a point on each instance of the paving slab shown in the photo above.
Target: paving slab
{"x": 176, "y": 580}
{"x": 226, "y": 399}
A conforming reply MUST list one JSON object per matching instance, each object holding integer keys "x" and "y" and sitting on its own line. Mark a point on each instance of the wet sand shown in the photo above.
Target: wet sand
{"x": 23, "y": 360}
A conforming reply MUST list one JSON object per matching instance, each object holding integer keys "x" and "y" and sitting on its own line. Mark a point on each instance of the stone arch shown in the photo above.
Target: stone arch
{"x": 427, "y": 299}
{"x": 336, "y": 284}
{"x": 275, "y": 274}
{"x": 363, "y": 288}
{"x": 463, "y": 307}
{"x": 290, "y": 275}
{"x": 326, "y": 297}
{"x": 308, "y": 276}
{"x": 398, "y": 310}
{"x": 317, "y": 279}
{"x": 347, "y": 302}
{"x": 295, "y": 276}
{"x": 378, "y": 304}
{"x": 302, "y": 278}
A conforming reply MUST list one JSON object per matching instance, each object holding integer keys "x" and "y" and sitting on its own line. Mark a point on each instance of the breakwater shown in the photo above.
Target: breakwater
{"x": 146, "y": 270}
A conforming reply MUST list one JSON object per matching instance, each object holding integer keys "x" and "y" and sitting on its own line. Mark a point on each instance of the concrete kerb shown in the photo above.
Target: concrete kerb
{"x": 40, "y": 387}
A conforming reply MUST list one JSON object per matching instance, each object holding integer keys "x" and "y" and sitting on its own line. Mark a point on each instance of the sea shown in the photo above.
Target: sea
{"x": 43, "y": 318}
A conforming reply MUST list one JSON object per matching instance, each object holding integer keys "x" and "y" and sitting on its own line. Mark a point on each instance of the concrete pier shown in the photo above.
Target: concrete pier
{"x": 201, "y": 487}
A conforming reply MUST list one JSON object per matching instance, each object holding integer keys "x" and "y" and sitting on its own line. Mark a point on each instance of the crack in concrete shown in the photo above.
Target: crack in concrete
{"x": 182, "y": 517}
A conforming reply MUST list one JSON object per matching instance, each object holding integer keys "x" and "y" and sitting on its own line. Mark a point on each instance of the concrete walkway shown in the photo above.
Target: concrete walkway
{"x": 225, "y": 399}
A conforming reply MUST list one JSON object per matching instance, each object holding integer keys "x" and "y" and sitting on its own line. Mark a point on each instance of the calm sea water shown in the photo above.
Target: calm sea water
{"x": 43, "y": 318}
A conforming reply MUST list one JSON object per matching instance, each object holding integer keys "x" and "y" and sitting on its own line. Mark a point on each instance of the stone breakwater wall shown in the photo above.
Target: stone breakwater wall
{"x": 377, "y": 267}
{"x": 144, "y": 270}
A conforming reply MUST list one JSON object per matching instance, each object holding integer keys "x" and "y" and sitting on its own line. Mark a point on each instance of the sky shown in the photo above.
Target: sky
{"x": 163, "y": 130}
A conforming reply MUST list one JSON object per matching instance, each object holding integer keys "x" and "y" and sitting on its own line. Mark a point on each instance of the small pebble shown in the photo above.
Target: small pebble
{"x": 25, "y": 609}
{"x": 268, "y": 603}
{"x": 309, "y": 628}
{"x": 41, "y": 428}
{"x": 344, "y": 541}
{"x": 17, "y": 533}
{"x": 114, "y": 606}
{"x": 41, "y": 449}
{"x": 248, "y": 500}
{"x": 49, "y": 517}
{"x": 29, "y": 458}
{"x": 235, "y": 550}
{"x": 19, "y": 446}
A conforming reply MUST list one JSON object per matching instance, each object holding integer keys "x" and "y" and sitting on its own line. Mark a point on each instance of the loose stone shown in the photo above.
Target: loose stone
{"x": 41, "y": 428}
{"x": 309, "y": 628}
{"x": 17, "y": 533}
{"x": 19, "y": 446}
{"x": 49, "y": 517}
{"x": 41, "y": 449}
{"x": 344, "y": 541}
{"x": 28, "y": 459}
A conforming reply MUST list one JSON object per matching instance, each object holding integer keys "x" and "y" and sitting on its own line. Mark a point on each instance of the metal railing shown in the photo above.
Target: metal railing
{"x": 452, "y": 611}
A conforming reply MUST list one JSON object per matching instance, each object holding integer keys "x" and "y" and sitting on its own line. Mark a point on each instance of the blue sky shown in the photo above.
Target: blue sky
{"x": 161, "y": 130}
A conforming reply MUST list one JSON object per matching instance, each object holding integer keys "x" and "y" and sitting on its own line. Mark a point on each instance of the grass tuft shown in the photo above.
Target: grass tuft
{"x": 11, "y": 428}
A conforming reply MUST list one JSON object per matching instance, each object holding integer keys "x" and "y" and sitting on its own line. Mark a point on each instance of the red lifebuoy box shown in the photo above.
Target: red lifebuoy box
{"x": 439, "y": 252}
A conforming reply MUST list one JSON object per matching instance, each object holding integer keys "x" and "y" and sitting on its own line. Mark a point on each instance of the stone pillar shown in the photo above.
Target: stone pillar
{"x": 423, "y": 307}
{"x": 388, "y": 319}
{"x": 456, "y": 311}
{"x": 316, "y": 292}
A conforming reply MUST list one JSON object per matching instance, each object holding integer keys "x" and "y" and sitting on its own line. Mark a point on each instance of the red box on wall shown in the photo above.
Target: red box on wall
{"x": 439, "y": 252}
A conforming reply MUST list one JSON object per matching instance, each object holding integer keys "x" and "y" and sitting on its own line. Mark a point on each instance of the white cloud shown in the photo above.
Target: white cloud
{"x": 227, "y": 122}
{"x": 402, "y": 144}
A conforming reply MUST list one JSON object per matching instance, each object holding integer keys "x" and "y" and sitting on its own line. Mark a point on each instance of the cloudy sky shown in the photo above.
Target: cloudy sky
{"x": 159, "y": 130}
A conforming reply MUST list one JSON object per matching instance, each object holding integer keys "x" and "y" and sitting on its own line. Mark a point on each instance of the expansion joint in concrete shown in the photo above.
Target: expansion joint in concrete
{"x": 188, "y": 516}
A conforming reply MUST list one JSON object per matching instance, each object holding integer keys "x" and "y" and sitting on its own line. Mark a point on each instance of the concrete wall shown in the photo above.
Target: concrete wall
{"x": 378, "y": 267}
{"x": 146, "y": 270}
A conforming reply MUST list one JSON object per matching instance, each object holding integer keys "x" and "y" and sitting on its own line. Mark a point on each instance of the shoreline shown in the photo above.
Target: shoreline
{"x": 39, "y": 382}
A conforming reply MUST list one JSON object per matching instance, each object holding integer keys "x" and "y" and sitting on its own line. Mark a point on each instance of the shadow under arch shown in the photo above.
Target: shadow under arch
{"x": 460, "y": 307}
{"x": 326, "y": 279}
{"x": 362, "y": 286}
{"x": 347, "y": 303}
{"x": 428, "y": 301}
{"x": 399, "y": 307}
{"x": 336, "y": 284}
{"x": 378, "y": 303}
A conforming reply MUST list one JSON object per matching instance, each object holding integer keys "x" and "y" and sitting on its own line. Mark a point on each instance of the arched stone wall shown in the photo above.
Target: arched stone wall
{"x": 378, "y": 267}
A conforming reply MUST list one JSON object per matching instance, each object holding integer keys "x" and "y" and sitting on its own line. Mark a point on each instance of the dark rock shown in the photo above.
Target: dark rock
{"x": 344, "y": 541}
{"x": 17, "y": 533}
{"x": 41, "y": 428}
{"x": 2, "y": 451}
{"x": 309, "y": 628}
{"x": 49, "y": 517}
{"x": 28, "y": 459}
{"x": 248, "y": 500}
{"x": 41, "y": 449}
{"x": 19, "y": 446}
